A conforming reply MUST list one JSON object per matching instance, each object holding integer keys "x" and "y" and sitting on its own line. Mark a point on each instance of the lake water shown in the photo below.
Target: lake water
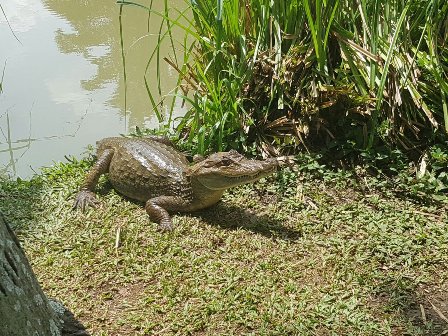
{"x": 63, "y": 86}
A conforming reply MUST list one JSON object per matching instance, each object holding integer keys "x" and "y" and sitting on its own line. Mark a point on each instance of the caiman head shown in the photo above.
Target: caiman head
{"x": 224, "y": 170}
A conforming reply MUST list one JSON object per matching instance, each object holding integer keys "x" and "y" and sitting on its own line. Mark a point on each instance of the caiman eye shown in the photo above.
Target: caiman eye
{"x": 235, "y": 155}
{"x": 226, "y": 162}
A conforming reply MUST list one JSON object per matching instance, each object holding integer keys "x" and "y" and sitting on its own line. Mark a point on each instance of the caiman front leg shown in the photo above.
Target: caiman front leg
{"x": 157, "y": 209}
{"x": 86, "y": 196}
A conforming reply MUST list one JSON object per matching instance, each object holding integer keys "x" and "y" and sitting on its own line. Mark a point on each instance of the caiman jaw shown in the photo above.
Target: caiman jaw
{"x": 245, "y": 171}
{"x": 247, "y": 178}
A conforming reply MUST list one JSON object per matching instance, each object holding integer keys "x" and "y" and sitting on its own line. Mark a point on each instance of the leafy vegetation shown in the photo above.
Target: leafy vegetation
{"x": 268, "y": 75}
{"x": 311, "y": 251}
{"x": 352, "y": 247}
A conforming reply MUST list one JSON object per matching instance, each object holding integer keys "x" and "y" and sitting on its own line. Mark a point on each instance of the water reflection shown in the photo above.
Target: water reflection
{"x": 96, "y": 37}
{"x": 12, "y": 148}
{"x": 63, "y": 84}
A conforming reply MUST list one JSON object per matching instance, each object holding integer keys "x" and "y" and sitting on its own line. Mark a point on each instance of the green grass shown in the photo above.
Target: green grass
{"x": 307, "y": 252}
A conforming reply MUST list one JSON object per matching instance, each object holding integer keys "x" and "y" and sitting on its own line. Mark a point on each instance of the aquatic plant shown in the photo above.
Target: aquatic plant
{"x": 269, "y": 75}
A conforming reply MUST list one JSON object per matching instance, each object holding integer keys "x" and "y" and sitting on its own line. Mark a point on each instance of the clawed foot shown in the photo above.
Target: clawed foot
{"x": 166, "y": 225}
{"x": 84, "y": 199}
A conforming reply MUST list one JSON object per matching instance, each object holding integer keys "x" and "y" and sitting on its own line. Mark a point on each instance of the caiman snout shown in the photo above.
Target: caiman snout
{"x": 229, "y": 169}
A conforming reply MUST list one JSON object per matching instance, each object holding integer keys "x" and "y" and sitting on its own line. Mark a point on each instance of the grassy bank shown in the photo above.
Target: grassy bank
{"x": 307, "y": 252}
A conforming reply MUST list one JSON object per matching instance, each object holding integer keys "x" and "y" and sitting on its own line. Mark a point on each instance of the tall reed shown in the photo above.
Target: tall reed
{"x": 265, "y": 74}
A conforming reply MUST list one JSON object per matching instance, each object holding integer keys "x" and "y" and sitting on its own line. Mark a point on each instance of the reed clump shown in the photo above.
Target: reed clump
{"x": 273, "y": 76}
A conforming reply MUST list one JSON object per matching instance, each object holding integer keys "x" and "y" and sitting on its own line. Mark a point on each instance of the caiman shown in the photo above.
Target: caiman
{"x": 151, "y": 170}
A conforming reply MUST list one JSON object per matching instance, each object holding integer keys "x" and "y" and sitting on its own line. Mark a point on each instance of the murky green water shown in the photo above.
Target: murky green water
{"x": 63, "y": 82}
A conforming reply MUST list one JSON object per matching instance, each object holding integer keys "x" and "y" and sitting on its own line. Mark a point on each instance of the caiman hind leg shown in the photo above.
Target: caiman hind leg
{"x": 86, "y": 197}
{"x": 157, "y": 209}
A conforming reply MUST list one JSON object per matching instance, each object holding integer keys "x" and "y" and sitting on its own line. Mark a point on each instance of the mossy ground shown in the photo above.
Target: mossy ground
{"x": 291, "y": 255}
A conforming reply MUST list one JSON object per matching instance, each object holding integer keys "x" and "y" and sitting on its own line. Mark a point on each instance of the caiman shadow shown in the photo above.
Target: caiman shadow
{"x": 233, "y": 217}
{"x": 230, "y": 217}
